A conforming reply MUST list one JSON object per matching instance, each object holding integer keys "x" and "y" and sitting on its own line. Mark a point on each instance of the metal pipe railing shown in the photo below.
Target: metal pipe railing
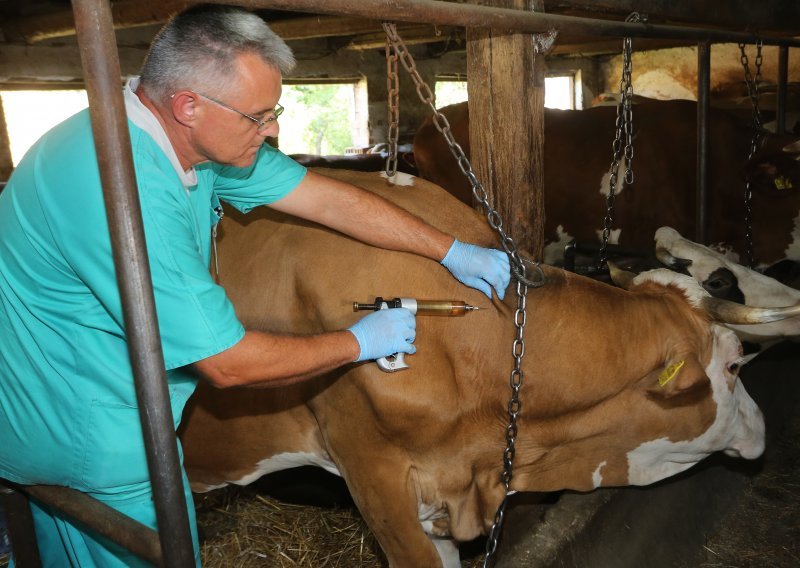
{"x": 783, "y": 78}
{"x": 104, "y": 520}
{"x": 100, "y": 59}
{"x": 703, "y": 108}
{"x": 506, "y": 19}
{"x": 20, "y": 526}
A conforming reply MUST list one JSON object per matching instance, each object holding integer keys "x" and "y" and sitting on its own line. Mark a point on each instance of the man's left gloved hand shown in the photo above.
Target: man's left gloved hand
{"x": 479, "y": 268}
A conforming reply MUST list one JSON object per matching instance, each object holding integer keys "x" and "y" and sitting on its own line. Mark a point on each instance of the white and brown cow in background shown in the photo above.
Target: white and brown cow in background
{"x": 577, "y": 158}
{"x": 421, "y": 449}
{"x": 727, "y": 279}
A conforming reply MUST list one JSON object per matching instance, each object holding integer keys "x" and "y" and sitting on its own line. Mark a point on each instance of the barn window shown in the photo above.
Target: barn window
{"x": 559, "y": 90}
{"x": 29, "y": 114}
{"x": 324, "y": 118}
{"x": 320, "y": 118}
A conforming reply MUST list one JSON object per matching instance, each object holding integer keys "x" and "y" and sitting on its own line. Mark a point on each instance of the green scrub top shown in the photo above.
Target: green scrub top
{"x": 68, "y": 410}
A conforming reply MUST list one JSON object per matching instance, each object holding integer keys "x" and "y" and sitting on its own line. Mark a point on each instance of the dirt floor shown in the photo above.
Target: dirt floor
{"x": 763, "y": 529}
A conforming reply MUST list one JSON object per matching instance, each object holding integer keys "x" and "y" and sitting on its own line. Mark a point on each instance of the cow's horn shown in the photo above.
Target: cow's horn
{"x": 622, "y": 278}
{"x": 731, "y": 312}
{"x": 666, "y": 258}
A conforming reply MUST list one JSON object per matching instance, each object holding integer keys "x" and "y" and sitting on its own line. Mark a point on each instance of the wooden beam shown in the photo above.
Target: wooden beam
{"x": 737, "y": 14}
{"x": 6, "y": 164}
{"x": 134, "y": 13}
{"x": 323, "y": 26}
{"x": 506, "y": 109}
{"x": 509, "y": 20}
{"x": 126, "y": 14}
{"x": 412, "y": 35}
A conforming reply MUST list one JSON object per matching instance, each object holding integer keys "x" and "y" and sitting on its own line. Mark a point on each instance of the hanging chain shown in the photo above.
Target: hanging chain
{"x": 393, "y": 96}
{"x": 518, "y": 264}
{"x": 624, "y": 128}
{"x": 519, "y": 267}
{"x": 755, "y": 144}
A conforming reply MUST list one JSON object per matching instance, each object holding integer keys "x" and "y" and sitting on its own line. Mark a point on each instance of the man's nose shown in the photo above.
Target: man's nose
{"x": 270, "y": 129}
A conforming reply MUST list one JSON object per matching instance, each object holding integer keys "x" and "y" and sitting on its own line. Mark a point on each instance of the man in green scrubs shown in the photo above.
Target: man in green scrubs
{"x": 198, "y": 116}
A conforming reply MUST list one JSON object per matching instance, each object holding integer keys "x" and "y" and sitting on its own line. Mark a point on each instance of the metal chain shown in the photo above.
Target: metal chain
{"x": 393, "y": 97}
{"x": 624, "y": 127}
{"x": 518, "y": 268}
{"x": 755, "y": 144}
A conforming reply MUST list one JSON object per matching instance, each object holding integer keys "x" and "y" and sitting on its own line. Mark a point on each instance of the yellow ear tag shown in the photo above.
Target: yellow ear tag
{"x": 783, "y": 182}
{"x": 670, "y": 372}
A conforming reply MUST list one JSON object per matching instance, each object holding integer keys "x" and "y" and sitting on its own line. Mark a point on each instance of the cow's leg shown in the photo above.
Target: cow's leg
{"x": 385, "y": 493}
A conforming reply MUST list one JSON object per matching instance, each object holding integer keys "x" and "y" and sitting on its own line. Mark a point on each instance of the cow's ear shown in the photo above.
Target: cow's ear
{"x": 774, "y": 172}
{"x": 680, "y": 376}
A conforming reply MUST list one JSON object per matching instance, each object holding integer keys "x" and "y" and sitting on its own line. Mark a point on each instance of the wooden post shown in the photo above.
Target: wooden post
{"x": 506, "y": 108}
{"x": 6, "y": 164}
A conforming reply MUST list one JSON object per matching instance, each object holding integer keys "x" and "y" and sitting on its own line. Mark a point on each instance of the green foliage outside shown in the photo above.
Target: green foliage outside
{"x": 322, "y": 117}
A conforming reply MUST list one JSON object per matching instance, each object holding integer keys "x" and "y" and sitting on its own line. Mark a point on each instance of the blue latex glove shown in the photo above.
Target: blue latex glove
{"x": 479, "y": 268}
{"x": 385, "y": 333}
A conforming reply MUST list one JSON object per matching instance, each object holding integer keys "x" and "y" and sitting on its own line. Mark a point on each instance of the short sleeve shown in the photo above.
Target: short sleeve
{"x": 195, "y": 317}
{"x": 272, "y": 175}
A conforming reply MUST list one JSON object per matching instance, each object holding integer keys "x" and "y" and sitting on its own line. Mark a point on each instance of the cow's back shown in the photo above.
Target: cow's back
{"x": 578, "y": 156}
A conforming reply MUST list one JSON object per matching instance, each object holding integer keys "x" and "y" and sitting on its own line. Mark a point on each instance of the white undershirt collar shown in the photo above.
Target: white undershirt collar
{"x": 142, "y": 117}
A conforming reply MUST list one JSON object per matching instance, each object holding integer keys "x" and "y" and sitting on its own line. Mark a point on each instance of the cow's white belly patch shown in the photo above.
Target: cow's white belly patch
{"x": 281, "y": 462}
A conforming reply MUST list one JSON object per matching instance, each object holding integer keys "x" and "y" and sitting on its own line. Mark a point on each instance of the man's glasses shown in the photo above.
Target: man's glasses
{"x": 260, "y": 123}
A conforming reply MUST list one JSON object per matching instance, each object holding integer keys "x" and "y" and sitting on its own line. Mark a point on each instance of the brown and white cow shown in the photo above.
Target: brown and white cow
{"x": 370, "y": 162}
{"x": 421, "y": 449}
{"x": 577, "y": 158}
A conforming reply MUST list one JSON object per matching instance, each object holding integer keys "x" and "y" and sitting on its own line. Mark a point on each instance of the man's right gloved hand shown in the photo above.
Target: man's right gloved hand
{"x": 385, "y": 333}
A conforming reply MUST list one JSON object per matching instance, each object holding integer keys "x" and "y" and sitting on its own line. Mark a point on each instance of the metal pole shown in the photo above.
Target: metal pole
{"x": 20, "y": 527}
{"x": 502, "y": 19}
{"x": 97, "y": 43}
{"x": 783, "y": 76}
{"x": 703, "y": 107}
{"x": 108, "y": 522}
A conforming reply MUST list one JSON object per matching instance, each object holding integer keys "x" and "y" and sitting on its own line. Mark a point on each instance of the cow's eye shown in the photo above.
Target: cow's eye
{"x": 733, "y": 368}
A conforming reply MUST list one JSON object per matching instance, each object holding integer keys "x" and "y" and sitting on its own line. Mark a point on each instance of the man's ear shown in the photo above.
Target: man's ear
{"x": 184, "y": 107}
{"x": 678, "y": 376}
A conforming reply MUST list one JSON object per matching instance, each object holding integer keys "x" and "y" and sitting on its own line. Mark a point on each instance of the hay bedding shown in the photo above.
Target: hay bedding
{"x": 242, "y": 527}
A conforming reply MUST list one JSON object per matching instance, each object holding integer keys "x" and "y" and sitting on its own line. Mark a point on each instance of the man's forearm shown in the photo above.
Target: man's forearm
{"x": 263, "y": 359}
{"x": 364, "y": 216}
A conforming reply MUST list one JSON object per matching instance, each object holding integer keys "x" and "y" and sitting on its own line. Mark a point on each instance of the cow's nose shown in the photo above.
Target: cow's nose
{"x": 748, "y": 449}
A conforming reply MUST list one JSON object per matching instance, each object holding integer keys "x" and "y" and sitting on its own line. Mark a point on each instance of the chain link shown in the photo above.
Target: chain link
{"x": 519, "y": 267}
{"x": 393, "y": 90}
{"x": 755, "y": 144}
{"x": 624, "y": 130}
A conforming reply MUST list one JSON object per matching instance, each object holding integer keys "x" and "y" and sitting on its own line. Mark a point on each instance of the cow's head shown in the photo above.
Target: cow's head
{"x": 726, "y": 279}
{"x": 699, "y": 379}
{"x": 646, "y": 386}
